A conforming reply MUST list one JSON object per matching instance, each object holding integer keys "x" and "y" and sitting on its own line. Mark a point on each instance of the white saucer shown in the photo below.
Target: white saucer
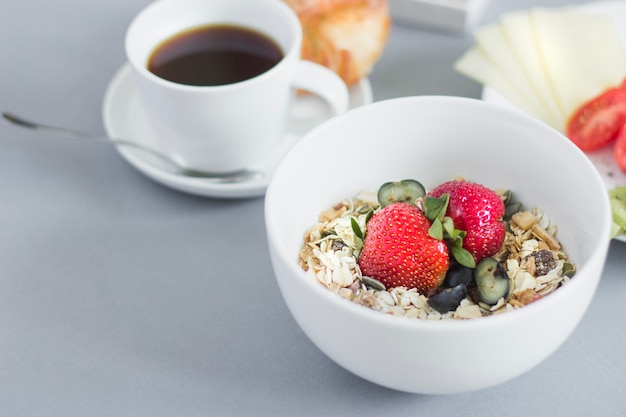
{"x": 124, "y": 117}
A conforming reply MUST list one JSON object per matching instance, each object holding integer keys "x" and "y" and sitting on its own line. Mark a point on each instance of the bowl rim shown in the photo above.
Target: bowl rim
{"x": 598, "y": 253}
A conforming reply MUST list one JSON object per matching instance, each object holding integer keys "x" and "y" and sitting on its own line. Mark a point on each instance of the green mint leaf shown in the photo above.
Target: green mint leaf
{"x": 462, "y": 256}
{"x": 435, "y": 207}
{"x": 457, "y": 234}
{"x": 436, "y": 230}
{"x": 448, "y": 227}
{"x": 356, "y": 228}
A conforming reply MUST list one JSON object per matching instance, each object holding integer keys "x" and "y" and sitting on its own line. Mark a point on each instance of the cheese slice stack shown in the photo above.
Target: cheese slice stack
{"x": 547, "y": 61}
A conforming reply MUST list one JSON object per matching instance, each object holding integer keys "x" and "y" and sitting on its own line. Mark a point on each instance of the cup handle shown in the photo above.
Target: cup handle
{"x": 323, "y": 82}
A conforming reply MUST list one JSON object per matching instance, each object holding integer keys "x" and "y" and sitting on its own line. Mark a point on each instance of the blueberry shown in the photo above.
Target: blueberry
{"x": 492, "y": 281}
{"x": 458, "y": 274}
{"x": 407, "y": 191}
{"x": 448, "y": 299}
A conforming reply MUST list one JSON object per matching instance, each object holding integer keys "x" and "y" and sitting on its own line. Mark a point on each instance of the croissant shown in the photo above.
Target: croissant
{"x": 347, "y": 36}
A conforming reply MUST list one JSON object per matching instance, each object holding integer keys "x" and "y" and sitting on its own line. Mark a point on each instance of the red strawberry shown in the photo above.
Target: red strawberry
{"x": 398, "y": 251}
{"x": 477, "y": 210}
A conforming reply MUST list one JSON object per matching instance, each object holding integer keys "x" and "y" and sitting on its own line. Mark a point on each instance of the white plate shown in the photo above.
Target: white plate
{"x": 603, "y": 160}
{"x": 124, "y": 117}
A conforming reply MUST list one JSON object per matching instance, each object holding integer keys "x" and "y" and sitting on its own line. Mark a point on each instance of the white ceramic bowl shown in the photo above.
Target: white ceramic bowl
{"x": 433, "y": 139}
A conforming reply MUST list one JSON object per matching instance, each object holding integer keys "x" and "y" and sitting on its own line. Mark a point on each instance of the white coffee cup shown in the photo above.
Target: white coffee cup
{"x": 226, "y": 127}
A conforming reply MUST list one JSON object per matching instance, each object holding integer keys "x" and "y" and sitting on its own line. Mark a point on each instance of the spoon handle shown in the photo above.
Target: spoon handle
{"x": 75, "y": 134}
{"x": 59, "y": 131}
{"x": 234, "y": 177}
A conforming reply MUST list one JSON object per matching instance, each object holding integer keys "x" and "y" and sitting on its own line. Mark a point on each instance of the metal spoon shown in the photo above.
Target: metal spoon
{"x": 177, "y": 168}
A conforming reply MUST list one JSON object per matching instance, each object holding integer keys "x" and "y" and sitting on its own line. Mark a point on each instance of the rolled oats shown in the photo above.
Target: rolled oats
{"x": 531, "y": 255}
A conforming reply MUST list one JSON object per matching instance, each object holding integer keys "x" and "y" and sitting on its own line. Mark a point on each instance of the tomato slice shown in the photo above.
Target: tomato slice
{"x": 597, "y": 122}
{"x": 619, "y": 149}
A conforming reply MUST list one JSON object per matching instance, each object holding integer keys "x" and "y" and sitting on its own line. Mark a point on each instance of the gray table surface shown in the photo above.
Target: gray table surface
{"x": 120, "y": 297}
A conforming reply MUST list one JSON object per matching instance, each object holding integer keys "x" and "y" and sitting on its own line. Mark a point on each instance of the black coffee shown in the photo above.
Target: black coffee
{"x": 214, "y": 55}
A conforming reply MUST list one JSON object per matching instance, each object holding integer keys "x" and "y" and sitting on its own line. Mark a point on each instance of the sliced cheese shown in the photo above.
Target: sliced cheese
{"x": 475, "y": 65}
{"x": 493, "y": 42}
{"x": 517, "y": 27}
{"x": 582, "y": 54}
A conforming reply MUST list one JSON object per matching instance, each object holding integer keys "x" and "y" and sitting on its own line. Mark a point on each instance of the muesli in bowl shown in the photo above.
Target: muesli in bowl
{"x": 460, "y": 251}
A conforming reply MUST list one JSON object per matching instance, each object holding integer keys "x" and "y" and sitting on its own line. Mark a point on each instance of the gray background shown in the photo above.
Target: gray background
{"x": 120, "y": 297}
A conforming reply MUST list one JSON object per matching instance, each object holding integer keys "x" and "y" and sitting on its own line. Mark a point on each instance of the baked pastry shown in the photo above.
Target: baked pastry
{"x": 347, "y": 36}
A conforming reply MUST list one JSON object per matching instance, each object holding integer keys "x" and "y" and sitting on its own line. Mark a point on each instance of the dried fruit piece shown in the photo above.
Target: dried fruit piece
{"x": 544, "y": 261}
{"x": 524, "y": 219}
